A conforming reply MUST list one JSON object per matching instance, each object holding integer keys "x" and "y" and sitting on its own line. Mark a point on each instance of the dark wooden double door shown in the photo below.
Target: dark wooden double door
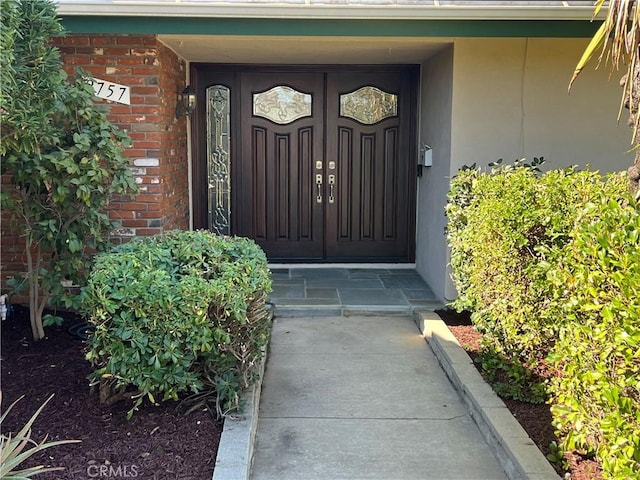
{"x": 323, "y": 161}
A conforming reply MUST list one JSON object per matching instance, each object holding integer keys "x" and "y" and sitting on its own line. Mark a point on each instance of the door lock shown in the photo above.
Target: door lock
{"x": 332, "y": 165}
{"x": 318, "y": 164}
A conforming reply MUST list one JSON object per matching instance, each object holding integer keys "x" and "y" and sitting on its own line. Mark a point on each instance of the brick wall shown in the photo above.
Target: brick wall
{"x": 159, "y": 151}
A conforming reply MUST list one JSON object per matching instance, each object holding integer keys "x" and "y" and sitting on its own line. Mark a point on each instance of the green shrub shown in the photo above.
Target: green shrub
{"x": 459, "y": 206}
{"x": 61, "y": 155}
{"x": 502, "y": 229}
{"x": 550, "y": 267}
{"x": 596, "y": 397}
{"x": 460, "y": 198}
{"x": 178, "y": 313}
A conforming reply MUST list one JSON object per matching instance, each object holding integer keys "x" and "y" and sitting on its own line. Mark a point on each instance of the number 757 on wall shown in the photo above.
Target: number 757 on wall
{"x": 111, "y": 91}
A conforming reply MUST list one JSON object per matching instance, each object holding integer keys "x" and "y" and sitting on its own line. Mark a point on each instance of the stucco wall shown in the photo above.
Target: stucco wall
{"x": 510, "y": 100}
{"x": 435, "y": 131}
{"x": 507, "y": 98}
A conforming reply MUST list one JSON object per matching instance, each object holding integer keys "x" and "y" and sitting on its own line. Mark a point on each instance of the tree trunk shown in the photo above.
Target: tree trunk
{"x": 634, "y": 175}
{"x": 36, "y": 305}
{"x": 633, "y": 105}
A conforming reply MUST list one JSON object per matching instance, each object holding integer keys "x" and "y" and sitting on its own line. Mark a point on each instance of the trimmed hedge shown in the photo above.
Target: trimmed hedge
{"x": 179, "y": 313}
{"x": 596, "y": 397}
{"x": 549, "y": 264}
{"x": 503, "y": 227}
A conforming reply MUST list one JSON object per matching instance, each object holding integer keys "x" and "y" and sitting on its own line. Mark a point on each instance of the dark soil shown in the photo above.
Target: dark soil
{"x": 157, "y": 443}
{"x": 535, "y": 419}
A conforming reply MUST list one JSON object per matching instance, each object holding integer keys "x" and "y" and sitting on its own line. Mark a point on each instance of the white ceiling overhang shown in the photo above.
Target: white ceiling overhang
{"x": 303, "y": 50}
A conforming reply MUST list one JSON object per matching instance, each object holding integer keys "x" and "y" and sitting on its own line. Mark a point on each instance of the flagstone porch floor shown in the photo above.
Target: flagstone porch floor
{"x": 334, "y": 291}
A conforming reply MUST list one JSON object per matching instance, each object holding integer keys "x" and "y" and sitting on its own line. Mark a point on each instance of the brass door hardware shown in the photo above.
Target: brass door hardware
{"x": 332, "y": 182}
{"x": 319, "y": 185}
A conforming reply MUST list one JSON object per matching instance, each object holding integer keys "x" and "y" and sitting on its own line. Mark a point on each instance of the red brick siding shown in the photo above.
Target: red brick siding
{"x": 155, "y": 74}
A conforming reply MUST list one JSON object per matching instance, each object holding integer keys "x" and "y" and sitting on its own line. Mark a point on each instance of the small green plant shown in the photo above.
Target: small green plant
{"x": 512, "y": 379}
{"x": 16, "y": 449}
{"x": 178, "y": 314}
{"x": 556, "y": 455}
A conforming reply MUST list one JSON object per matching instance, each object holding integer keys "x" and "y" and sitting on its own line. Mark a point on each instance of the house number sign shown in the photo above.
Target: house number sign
{"x": 112, "y": 91}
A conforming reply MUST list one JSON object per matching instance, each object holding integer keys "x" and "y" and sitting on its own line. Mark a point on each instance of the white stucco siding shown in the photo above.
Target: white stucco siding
{"x": 510, "y": 101}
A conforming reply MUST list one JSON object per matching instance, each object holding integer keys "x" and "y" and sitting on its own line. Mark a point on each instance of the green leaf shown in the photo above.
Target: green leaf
{"x": 74, "y": 245}
{"x": 16, "y": 449}
{"x": 49, "y": 320}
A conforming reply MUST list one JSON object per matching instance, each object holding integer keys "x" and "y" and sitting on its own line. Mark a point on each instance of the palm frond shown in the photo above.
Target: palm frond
{"x": 618, "y": 39}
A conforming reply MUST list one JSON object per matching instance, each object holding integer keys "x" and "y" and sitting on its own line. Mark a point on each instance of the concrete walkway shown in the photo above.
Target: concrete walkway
{"x": 348, "y": 398}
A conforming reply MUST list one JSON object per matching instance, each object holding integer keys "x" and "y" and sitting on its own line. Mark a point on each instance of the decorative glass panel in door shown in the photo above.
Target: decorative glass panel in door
{"x": 368, "y": 105}
{"x": 282, "y": 104}
{"x": 219, "y": 159}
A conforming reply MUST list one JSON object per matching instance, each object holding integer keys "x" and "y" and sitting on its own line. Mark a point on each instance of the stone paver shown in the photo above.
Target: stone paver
{"x": 353, "y": 290}
{"x": 372, "y": 296}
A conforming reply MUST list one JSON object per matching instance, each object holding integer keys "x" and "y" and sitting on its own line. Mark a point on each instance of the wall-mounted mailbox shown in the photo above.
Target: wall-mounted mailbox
{"x": 426, "y": 156}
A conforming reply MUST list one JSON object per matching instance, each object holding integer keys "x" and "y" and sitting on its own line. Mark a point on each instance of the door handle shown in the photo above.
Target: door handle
{"x": 319, "y": 185}
{"x": 332, "y": 182}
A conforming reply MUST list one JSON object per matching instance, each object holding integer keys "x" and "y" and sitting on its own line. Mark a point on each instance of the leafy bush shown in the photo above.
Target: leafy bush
{"x": 550, "y": 266}
{"x": 502, "y": 228}
{"x": 16, "y": 449}
{"x": 178, "y": 313}
{"x": 61, "y": 154}
{"x": 460, "y": 198}
{"x": 31, "y": 73}
{"x": 596, "y": 398}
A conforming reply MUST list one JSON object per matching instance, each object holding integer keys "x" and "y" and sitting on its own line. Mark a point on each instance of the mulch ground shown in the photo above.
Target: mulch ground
{"x": 157, "y": 443}
{"x": 535, "y": 419}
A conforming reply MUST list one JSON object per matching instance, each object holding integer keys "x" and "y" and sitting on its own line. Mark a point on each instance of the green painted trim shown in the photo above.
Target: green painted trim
{"x": 325, "y": 27}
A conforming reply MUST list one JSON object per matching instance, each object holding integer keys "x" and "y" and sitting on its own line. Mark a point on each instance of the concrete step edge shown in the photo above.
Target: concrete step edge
{"x": 235, "y": 450}
{"x": 517, "y": 453}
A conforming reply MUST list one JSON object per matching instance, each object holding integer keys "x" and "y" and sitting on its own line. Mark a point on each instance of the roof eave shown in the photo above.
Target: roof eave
{"x": 391, "y": 12}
